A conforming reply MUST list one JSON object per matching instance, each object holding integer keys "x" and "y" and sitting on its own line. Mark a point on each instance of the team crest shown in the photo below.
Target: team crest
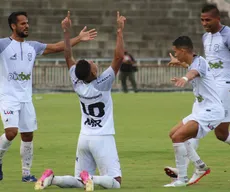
{"x": 29, "y": 56}
{"x": 216, "y": 47}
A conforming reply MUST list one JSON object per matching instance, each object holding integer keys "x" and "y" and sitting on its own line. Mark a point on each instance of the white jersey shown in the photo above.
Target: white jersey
{"x": 217, "y": 53}
{"x": 16, "y": 65}
{"x": 96, "y": 103}
{"x": 204, "y": 86}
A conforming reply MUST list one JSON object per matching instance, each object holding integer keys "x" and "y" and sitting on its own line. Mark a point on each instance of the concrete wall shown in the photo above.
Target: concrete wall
{"x": 151, "y": 24}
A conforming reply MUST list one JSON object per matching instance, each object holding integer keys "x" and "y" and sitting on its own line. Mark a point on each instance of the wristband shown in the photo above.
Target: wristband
{"x": 185, "y": 78}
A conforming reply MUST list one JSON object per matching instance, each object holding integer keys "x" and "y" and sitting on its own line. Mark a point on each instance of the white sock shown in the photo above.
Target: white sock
{"x": 193, "y": 156}
{"x": 228, "y": 139}
{"x": 67, "y": 182}
{"x": 180, "y": 157}
{"x": 107, "y": 182}
{"x": 194, "y": 143}
{"x": 4, "y": 146}
{"x": 26, "y": 152}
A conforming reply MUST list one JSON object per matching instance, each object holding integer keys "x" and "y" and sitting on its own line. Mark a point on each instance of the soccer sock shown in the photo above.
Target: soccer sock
{"x": 26, "y": 152}
{"x": 67, "y": 182}
{"x": 228, "y": 139}
{"x": 4, "y": 146}
{"x": 107, "y": 182}
{"x": 193, "y": 156}
{"x": 180, "y": 157}
{"x": 194, "y": 143}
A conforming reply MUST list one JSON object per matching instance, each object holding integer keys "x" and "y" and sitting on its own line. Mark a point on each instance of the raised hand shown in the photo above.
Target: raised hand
{"x": 174, "y": 61}
{"x": 66, "y": 23}
{"x": 120, "y": 21}
{"x": 87, "y": 35}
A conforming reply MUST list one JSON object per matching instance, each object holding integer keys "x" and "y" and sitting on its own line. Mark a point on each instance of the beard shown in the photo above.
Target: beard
{"x": 22, "y": 34}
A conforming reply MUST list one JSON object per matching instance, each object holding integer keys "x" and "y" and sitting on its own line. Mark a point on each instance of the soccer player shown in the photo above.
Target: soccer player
{"x": 216, "y": 43}
{"x": 17, "y": 58}
{"x": 207, "y": 112}
{"x": 96, "y": 144}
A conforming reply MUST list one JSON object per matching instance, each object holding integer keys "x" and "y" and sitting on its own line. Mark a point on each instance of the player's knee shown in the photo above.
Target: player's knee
{"x": 27, "y": 137}
{"x": 222, "y": 132}
{"x": 11, "y": 133}
{"x": 221, "y": 136}
{"x": 176, "y": 138}
{"x": 170, "y": 134}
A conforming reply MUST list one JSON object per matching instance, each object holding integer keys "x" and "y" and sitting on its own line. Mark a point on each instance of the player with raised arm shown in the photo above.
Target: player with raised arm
{"x": 216, "y": 43}
{"x": 17, "y": 58}
{"x": 96, "y": 144}
{"x": 207, "y": 112}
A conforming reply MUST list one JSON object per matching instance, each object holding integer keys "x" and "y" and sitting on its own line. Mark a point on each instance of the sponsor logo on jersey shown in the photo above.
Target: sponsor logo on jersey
{"x": 14, "y": 57}
{"x": 104, "y": 79}
{"x": 199, "y": 98}
{"x": 8, "y": 112}
{"x": 217, "y": 65}
{"x": 19, "y": 77}
{"x": 93, "y": 123}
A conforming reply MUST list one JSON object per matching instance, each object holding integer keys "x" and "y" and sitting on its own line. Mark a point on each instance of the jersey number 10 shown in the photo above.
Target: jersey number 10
{"x": 92, "y": 108}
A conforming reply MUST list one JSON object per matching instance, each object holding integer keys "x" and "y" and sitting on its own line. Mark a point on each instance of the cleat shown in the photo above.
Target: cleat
{"x": 171, "y": 172}
{"x": 87, "y": 180}
{"x": 45, "y": 180}
{"x": 30, "y": 178}
{"x": 176, "y": 183}
{"x": 1, "y": 173}
{"x": 198, "y": 174}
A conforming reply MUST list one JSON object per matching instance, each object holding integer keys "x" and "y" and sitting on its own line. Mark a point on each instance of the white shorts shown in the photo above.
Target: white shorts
{"x": 18, "y": 114}
{"x": 97, "y": 152}
{"x": 224, "y": 93}
{"x": 207, "y": 119}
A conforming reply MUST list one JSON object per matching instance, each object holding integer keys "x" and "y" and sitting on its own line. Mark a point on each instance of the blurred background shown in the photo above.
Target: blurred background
{"x": 151, "y": 27}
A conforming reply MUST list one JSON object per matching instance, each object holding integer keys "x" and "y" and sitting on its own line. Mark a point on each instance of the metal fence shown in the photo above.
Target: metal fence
{"x": 149, "y": 77}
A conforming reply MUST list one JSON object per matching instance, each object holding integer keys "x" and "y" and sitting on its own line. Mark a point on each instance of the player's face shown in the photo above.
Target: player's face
{"x": 94, "y": 68}
{"x": 210, "y": 22}
{"x": 179, "y": 53}
{"x": 22, "y": 27}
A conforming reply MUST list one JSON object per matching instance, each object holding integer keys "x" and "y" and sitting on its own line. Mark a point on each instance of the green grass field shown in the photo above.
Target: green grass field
{"x": 142, "y": 124}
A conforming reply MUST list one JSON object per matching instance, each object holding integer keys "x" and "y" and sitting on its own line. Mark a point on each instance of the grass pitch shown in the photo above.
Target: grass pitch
{"x": 142, "y": 123}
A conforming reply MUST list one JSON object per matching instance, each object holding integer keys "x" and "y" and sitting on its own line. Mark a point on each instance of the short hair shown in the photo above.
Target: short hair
{"x": 210, "y": 7}
{"x": 12, "y": 19}
{"x": 183, "y": 42}
{"x": 82, "y": 70}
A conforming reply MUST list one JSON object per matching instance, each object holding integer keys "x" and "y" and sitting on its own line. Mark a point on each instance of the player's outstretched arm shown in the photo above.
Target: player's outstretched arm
{"x": 66, "y": 26}
{"x": 119, "y": 50}
{"x": 181, "y": 82}
{"x": 84, "y": 35}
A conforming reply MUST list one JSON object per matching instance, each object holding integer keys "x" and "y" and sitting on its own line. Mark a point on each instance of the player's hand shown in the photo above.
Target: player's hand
{"x": 87, "y": 35}
{"x": 66, "y": 23}
{"x": 174, "y": 61}
{"x": 120, "y": 21}
{"x": 179, "y": 82}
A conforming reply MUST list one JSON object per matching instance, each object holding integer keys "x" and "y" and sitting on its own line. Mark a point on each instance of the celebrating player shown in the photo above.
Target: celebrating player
{"x": 16, "y": 63}
{"x": 216, "y": 43}
{"x": 96, "y": 144}
{"x": 207, "y": 112}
